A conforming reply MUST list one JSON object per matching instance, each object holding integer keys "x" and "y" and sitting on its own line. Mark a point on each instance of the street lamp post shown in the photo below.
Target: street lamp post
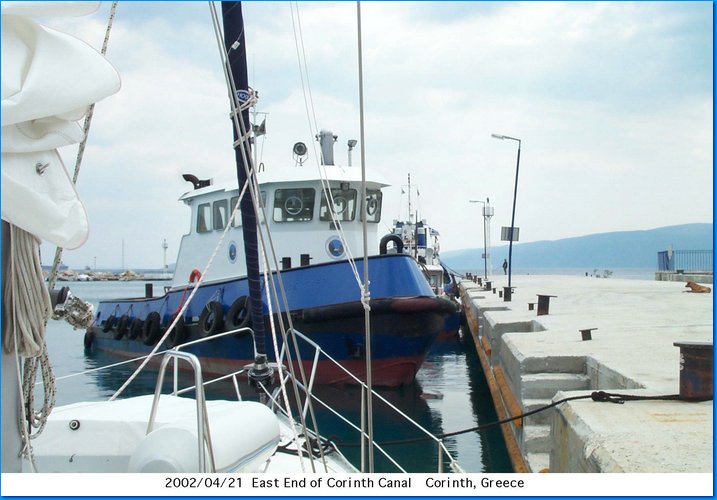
{"x": 487, "y": 213}
{"x": 512, "y": 220}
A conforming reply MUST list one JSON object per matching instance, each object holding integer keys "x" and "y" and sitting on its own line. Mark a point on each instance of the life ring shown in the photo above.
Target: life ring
{"x": 109, "y": 323}
{"x": 211, "y": 320}
{"x": 382, "y": 247}
{"x": 135, "y": 328}
{"x": 151, "y": 328}
{"x": 121, "y": 327}
{"x": 238, "y": 315}
{"x": 179, "y": 334}
{"x": 194, "y": 275}
{"x": 89, "y": 338}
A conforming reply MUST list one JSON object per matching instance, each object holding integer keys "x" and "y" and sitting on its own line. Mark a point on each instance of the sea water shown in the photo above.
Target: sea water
{"x": 449, "y": 394}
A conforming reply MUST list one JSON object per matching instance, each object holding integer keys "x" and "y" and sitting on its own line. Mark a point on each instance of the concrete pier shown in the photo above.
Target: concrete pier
{"x": 531, "y": 360}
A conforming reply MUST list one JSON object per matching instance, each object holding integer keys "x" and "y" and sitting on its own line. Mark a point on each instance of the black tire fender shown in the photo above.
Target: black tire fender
{"x": 109, "y": 323}
{"x": 179, "y": 334}
{"x": 135, "y": 328}
{"x": 151, "y": 328}
{"x": 89, "y": 338}
{"x": 211, "y": 320}
{"x": 238, "y": 315}
{"x": 122, "y": 325}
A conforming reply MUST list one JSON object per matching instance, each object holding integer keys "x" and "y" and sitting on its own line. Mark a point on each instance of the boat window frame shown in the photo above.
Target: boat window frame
{"x": 219, "y": 220}
{"x": 204, "y": 218}
{"x": 350, "y": 195}
{"x": 237, "y": 219}
{"x": 376, "y": 194}
{"x": 296, "y": 206}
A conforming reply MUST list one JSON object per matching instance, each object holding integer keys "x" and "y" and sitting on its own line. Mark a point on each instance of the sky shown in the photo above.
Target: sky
{"x": 612, "y": 102}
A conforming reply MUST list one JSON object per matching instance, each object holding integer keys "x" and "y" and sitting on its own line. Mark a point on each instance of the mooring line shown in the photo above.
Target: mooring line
{"x": 597, "y": 396}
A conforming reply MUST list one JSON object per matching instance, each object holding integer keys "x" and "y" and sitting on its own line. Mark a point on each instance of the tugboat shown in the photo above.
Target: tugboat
{"x": 315, "y": 217}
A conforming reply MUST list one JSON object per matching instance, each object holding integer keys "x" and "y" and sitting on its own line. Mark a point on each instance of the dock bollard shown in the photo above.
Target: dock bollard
{"x": 696, "y": 371}
{"x": 507, "y": 293}
{"x": 587, "y": 333}
{"x": 500, "y": 293}
{"x": 488, "y": 284}
{"x": 544, "y": 304}
{"x": 494, "y": 290}
{"x": 480, "y": 281}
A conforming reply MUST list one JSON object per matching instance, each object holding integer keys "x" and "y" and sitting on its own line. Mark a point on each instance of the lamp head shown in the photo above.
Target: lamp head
{"x": 497, "y": 136}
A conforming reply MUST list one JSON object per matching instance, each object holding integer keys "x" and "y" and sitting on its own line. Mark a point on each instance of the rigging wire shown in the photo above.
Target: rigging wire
{"x": 254, "y": 191}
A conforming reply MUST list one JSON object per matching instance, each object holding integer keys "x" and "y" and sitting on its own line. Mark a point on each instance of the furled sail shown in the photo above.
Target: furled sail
{"x": 234, "y": 43}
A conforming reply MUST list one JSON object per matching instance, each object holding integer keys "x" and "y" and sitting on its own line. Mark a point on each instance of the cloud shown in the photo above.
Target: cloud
{"x": 612, "y": 100}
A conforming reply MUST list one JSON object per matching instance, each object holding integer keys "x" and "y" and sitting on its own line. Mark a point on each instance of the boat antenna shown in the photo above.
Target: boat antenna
{"x": 241, "y": 101}
{"x": 365, "y": 294}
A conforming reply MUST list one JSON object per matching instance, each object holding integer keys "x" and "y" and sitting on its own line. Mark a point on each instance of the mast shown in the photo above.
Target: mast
{"x": 235, "y": 46}
{"x": 365, "y": 292}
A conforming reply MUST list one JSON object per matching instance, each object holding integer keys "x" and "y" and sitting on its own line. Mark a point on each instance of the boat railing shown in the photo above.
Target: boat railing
{"x": 307, "y": 389}
{"x": 203, "y": 433}
{"x": 441, "y": 447}
{"x": 177, "y": 353}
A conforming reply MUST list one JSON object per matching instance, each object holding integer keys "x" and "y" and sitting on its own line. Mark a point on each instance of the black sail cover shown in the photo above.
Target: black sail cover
{"x": 235, "y": 46}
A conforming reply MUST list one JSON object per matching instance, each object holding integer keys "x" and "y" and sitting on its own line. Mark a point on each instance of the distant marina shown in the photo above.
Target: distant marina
{"x": 110, "y": 275}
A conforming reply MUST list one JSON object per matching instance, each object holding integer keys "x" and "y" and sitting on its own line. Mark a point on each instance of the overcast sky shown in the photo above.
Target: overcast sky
{"x": 612, "y": 101}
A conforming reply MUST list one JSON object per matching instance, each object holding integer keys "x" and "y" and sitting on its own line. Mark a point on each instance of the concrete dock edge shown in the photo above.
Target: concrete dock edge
{"x": 531, "y": 361}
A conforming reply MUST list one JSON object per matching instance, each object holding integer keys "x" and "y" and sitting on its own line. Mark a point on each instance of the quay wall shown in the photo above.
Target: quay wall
{"x": 532, "y": 361}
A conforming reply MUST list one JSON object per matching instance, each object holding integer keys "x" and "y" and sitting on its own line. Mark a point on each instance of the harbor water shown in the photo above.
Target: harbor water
{"x": 450, "y": 394}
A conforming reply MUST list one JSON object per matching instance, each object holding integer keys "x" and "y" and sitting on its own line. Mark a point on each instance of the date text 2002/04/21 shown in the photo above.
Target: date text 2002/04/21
{"x": 202, "y": 482}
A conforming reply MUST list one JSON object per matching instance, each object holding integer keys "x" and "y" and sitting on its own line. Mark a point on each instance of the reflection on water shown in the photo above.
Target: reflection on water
{"x": 450, "y": 394}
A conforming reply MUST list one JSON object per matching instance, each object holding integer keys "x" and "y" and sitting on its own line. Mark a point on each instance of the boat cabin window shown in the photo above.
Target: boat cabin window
{"x": 292, "y": 205}
{"x": 344, "y": 205}
{"x": 237, "y": 218}
{"x": 204, "y": 218}
{"x": 372, "y": 207}
{"x": 220, "y": 214}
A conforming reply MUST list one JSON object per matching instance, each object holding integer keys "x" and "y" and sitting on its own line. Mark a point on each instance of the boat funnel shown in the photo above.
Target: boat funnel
{"x": 326, "y": 139}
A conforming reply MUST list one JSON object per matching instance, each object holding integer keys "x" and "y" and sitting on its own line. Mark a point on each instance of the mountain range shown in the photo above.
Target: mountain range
{"x": 623, "y": 249}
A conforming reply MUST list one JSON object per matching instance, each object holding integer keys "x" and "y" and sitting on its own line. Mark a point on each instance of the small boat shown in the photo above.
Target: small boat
{"x": 416, "y": 238}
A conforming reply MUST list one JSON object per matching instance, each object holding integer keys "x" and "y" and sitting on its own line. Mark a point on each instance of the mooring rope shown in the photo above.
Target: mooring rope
{"x": 597, "y": 396}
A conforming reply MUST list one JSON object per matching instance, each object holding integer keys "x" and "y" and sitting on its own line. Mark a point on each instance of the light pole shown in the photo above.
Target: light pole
{"x": 487, "y": 213}
{"x": 512, "y": 220}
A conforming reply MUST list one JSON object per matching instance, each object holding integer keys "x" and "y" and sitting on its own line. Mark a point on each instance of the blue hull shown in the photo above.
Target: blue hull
{"x": 324, "y": 299}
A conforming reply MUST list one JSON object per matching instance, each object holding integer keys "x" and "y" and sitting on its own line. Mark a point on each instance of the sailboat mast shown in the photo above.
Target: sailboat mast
{"x": 365, "y": 291}
{"x": 235, "y": 46}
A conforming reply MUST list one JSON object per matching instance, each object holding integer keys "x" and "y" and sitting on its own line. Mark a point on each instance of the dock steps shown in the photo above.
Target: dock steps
{"x": 546, "y": 385}
{"x": 536, "y": 439}
{"x": 538, "y": 462}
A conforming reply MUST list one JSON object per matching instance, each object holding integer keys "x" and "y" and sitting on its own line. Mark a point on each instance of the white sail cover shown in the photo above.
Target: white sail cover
{"x": 49, "y": 79}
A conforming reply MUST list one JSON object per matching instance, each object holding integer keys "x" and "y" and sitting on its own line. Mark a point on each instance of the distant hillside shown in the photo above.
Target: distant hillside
{"x": 624, "y": 249}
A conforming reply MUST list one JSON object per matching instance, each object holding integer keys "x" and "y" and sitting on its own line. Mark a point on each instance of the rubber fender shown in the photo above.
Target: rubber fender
{"x": 211, "y": 320}
{"x": 238, "y": 315}
{"x": 135, "y": 328}
{"x": 122, "y": 325}
{"x": 109, "y": 323}
{"x": 151, "y": 328}
{"x": 179, "y": 334}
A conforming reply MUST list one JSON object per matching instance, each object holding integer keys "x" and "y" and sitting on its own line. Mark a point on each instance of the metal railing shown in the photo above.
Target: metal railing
{"x": 689, "y": 261}
{"x": 283, "y": 372}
